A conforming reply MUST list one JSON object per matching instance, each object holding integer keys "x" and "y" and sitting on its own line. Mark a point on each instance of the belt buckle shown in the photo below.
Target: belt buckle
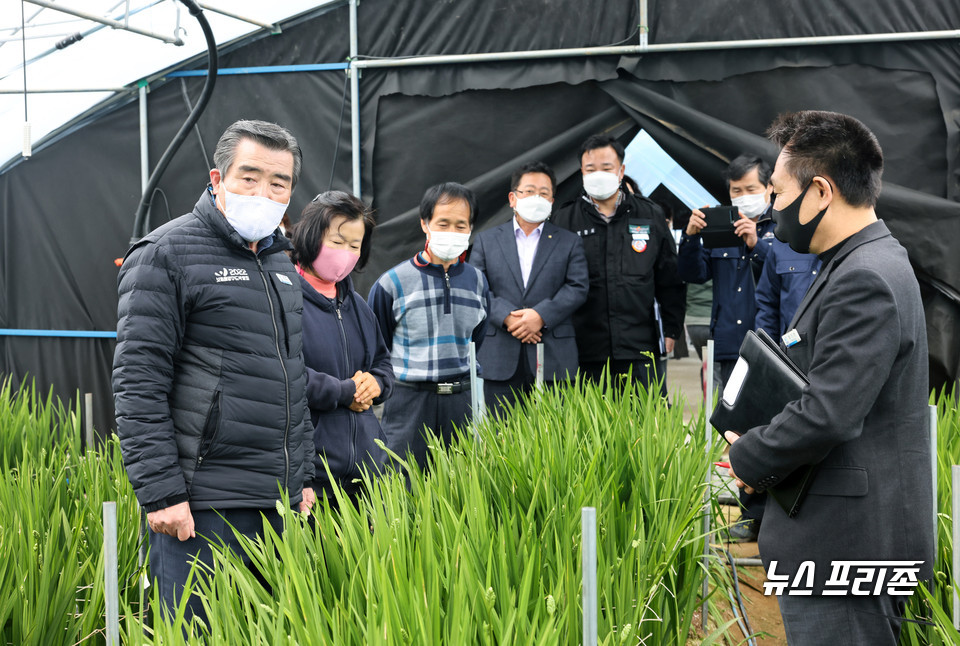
{"x": 445, "y": 389}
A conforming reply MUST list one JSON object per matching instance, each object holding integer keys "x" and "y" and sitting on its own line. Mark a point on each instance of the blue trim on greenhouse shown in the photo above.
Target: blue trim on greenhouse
{"x": 265, "y": 69}
{"x": 83, "y": 334}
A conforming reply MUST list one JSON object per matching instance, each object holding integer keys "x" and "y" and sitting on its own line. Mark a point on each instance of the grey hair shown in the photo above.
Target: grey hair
{"x": 264, "y": 133}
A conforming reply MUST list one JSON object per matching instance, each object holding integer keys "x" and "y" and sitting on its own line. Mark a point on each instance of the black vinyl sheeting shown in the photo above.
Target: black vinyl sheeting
{"x": 67, "y": 213}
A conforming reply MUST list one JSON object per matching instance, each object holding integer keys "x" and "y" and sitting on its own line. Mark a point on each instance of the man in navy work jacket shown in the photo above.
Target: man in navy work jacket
{"x": 537, "y": 275}
{"x": 631, "y": 261}
{"x": 734, "y": 271}
{"x": 860, "y": 337}
{"x": 786, "y": 277}
{"x": 429, "y": 309}
{"x": 208, "y": 377}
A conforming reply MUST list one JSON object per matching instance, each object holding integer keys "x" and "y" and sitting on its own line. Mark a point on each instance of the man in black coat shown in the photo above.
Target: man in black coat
{"x": 632, "y": 262}
{"x": 860, "y": 337}
{"x": 208, "y": 379}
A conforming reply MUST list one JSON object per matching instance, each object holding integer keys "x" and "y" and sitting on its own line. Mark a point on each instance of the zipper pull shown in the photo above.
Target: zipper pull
{"x": 446, "y": 277}
{"x": 338, "y": 314}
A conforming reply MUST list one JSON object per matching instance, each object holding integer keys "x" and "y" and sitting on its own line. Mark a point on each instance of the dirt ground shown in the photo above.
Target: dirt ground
{"x": 763, "y": 614}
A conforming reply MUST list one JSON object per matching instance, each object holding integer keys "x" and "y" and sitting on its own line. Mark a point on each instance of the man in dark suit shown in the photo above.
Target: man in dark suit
{"x": 860, "y": 337}
{"x": 537, "y": 275}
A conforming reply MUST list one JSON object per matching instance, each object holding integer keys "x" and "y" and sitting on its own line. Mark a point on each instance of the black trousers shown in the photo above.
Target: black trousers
{"x": 830, "y": 621}
{"x": 498, "y": 394}
{"x": 170, "y": 558}
{"x": 644, "y": 371}
{"x": 409, "y": 411}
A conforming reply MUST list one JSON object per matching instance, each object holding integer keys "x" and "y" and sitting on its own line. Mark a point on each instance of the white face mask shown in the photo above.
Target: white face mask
{"x": 752, "y": 205}
{"x": 448, "y": 245}
{"x": 534, "y": 209}
{"x": 600, "y": 184}
{"x": 254, "y": 217}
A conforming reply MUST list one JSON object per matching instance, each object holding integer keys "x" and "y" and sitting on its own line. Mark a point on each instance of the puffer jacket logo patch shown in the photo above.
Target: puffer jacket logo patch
{"x": 226, "y": 275}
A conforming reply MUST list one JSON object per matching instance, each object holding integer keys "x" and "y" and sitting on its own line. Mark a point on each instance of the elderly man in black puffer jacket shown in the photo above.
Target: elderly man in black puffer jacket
{"x": 209, "y": 380}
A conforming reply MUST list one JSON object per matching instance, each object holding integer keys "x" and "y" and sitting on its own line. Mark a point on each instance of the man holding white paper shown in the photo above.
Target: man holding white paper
{"x": 860, "y": 337}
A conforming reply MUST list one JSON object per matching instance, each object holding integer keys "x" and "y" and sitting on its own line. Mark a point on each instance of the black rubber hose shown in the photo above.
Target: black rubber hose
{"x": 140, "y": 221}
{"x": 742, "y": 619}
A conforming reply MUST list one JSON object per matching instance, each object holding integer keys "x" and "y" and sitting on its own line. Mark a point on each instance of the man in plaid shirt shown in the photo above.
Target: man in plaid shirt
{"x": 429, "y": 308}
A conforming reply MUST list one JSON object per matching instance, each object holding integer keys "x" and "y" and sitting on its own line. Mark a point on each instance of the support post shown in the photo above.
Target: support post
{"x": 588, "y": 529}
{"x": 144, "y": 149}
{"x": 88, "y": 421}
{"x": 354, "y": 101}
{"x": 644, "y": 27}
{"x": 111, "y": 587}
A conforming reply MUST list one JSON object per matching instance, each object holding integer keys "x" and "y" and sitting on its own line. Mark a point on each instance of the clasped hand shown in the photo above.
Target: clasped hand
{"x": 368, "y": 389}
{"x": 525, "y": 325}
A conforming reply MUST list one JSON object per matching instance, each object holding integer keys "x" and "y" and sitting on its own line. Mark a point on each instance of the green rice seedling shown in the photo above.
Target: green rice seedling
{"x": 484, "y": 546}
{"x": 934, "y": 605}
{"x": 32, "y": 425}
{"x": 51, "y": 573}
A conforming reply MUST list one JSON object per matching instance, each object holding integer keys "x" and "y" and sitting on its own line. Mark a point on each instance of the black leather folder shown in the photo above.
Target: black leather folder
{"x": 770, "y": 381}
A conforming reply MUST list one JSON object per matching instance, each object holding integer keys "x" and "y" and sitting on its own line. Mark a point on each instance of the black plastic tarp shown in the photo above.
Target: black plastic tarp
{"x": 68, "y": 211}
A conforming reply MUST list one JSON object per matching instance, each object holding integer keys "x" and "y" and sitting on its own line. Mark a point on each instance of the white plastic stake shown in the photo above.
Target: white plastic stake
{"x": 539, "y": 378}
{"x": 708, "y": 405}
{"x": 933, "y": 470}
{"x": 111, "y": 588}
{"x": 476, "y": 389}
{"x": 88, "y": 421}
{"x": 588, "y": 529}
{"x": 955, "y": 473}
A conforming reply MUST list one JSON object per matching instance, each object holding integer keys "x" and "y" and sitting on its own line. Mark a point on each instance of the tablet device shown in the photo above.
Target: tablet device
{"x": 719, "y": 230}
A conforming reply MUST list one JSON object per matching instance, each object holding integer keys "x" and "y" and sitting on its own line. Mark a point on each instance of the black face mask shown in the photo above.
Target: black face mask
{"x": 789, "y": 229}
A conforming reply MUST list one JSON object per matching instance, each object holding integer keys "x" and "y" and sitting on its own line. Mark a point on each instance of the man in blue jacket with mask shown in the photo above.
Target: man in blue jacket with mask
{"x": 735, "y": 271}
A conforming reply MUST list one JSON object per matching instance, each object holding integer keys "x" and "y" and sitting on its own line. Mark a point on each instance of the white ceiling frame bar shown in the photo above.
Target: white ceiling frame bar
{"x": 105, "y": 21}
{"x": 272, "y": 27}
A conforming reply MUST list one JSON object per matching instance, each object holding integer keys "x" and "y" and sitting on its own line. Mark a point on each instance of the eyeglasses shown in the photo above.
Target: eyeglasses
{"x": 530, "y": 192}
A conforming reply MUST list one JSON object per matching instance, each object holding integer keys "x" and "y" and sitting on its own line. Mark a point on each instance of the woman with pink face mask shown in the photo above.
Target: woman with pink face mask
{"x": 348, "y": 364}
